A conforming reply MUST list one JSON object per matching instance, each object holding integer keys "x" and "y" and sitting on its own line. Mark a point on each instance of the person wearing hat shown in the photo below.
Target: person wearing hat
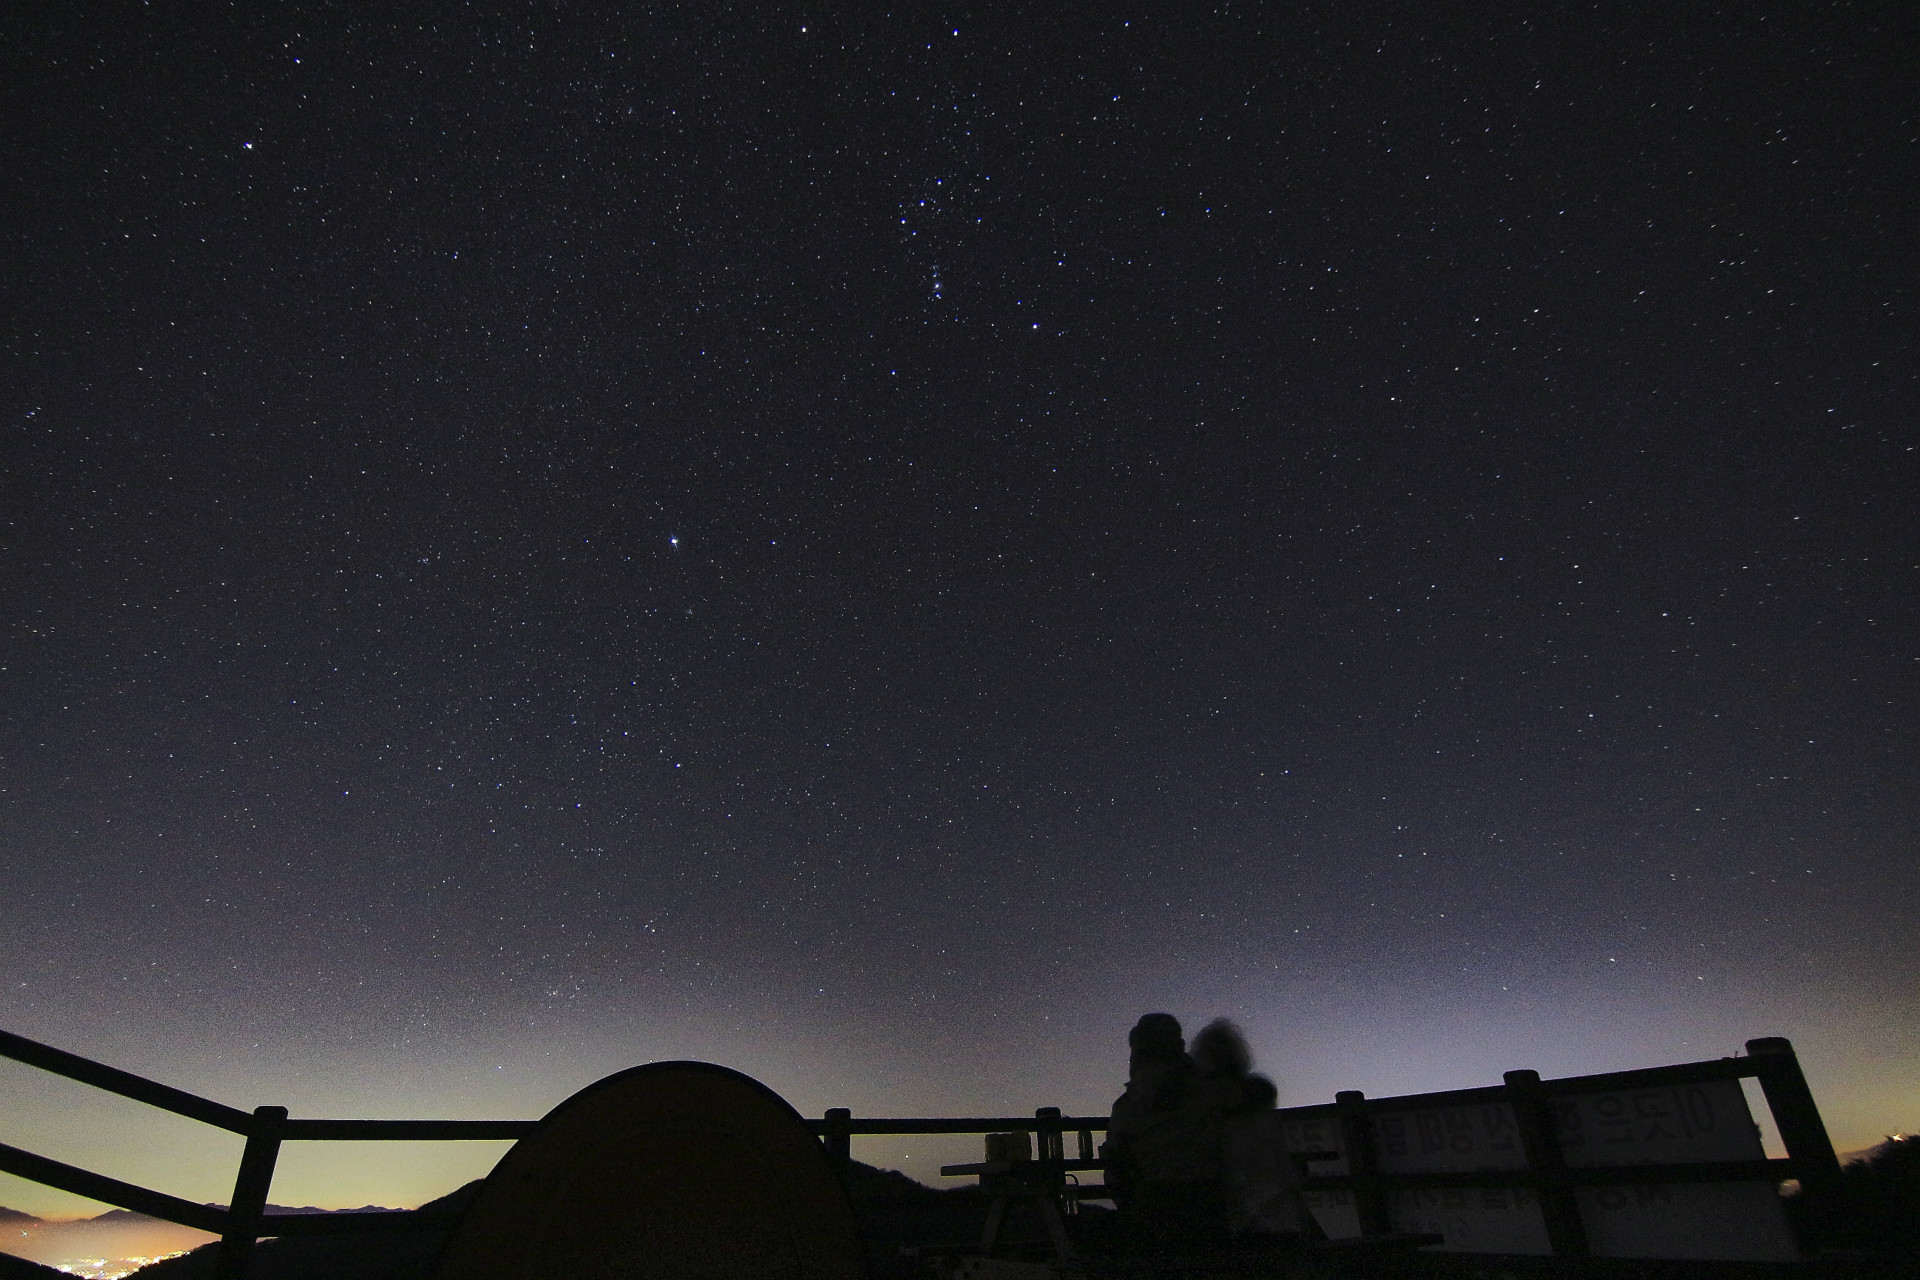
{"x": 1162, "y": 1151}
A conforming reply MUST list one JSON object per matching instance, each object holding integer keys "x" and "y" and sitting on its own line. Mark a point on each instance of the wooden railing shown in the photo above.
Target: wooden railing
{"x": 1809, "y": 1158}
{"x": 245, "y": 1220}
{"x": 1770, "y": 1060}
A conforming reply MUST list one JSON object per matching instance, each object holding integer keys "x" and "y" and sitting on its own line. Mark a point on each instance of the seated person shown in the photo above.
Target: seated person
{"x": 1163, "y": 1144}
{"x": 1261, "y": 1179}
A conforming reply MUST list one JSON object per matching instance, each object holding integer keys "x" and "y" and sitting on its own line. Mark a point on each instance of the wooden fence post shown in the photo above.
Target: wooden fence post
{"x": 836, "y": 1135}
{"x": 1533, "y": 1113}
{"x": 1802, "y": 1131}
{"x": 250, "y": 1192}
{"x": 1363, "y": 1162}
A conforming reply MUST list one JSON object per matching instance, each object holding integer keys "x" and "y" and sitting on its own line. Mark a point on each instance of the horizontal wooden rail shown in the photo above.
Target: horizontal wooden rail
{"x": 1605, "y": 1176}
{"x": 1656, "y": 1077}
{"x": 124, "y": 1083}
{"x": 96, "y": 1186}
{"x": 406, "y": 1130}
{"x": 509, "y": 1130}
{"x": 1002, "y": 1124}
{"x": 1487, "y": 1095}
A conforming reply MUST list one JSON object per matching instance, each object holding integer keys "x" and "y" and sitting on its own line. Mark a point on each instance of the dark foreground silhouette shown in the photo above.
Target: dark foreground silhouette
{"x": 1875, "y": 1208}
{"x": 893, "y": 1211}
{"x": 1869, "y": 1227}
{"x": 400, "y": 1255}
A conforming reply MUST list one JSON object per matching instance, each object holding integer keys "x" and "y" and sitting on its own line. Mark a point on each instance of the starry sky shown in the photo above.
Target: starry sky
{"x": 875, "y": 547}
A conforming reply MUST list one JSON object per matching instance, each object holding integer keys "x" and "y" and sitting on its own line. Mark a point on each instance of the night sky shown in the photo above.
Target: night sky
{"x": 876, "y": 549}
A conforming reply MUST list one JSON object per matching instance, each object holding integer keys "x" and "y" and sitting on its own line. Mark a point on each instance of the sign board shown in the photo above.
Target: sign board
{"x": 1669, "y": 1124}
{"x": 677, "y": 1169}
{"x": 1673, "y": 1124}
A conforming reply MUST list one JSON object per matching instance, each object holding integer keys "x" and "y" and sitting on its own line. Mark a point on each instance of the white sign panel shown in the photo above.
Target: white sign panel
{"x": 1474, "y": 1219}
{"x": 1448, "y": 1139}
{"x": 1678, "y": 1124}
{"x": 1735, "y": 1221}
{"x": 1673, "y": 1124}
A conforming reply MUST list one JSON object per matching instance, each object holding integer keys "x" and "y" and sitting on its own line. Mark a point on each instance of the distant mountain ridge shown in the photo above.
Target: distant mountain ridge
{"x": 401, "y": 1255}
{"x": 128, "y": 1217}
{"x": 893, "y": 1207}
{"x": 365, "y": 1208}
{"x": 118, "y": 1234}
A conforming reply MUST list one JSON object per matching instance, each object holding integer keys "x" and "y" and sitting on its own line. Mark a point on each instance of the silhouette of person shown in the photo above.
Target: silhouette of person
{"x": 1164, "y": 1140}
{"x": 1261, "y": 1180}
